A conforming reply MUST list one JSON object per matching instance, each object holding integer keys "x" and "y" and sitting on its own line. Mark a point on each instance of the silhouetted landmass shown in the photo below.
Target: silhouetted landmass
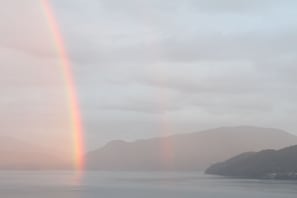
{"x": 186, "y": 152}
{"x": 20, "y": 155}
{"x": 266, "y": 164}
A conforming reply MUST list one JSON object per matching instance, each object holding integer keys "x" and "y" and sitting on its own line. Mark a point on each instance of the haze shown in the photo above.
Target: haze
{"x": 148, "y": 68}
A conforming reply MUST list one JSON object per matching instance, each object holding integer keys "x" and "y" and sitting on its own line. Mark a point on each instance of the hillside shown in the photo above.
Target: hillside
{"x": 273, "y": 164}
{"x": 20, "y": 155}
{"x": 186, "y": 152}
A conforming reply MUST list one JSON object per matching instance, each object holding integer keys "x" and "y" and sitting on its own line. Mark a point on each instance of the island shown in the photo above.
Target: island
{"x": 266, "y": 164}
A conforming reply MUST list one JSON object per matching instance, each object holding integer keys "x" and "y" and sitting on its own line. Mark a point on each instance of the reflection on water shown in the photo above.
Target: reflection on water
{"x": 144, "y": 185}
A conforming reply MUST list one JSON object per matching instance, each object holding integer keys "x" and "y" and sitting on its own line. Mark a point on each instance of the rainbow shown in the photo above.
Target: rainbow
{"x": 75, "y": 114}
{"x": 76, "y": 122}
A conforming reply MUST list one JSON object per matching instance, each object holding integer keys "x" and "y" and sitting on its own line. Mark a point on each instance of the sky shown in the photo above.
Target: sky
{"x": 146, "y": 68}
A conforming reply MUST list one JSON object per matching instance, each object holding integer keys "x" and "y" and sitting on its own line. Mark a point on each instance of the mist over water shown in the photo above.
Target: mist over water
{"x": 138, "y": 184}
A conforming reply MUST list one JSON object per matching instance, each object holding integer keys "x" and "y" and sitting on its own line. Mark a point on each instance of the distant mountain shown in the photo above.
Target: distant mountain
{"x": 186, "y": 152}
{"x": 16, "y": 154}
{"x": 272, "y": 164}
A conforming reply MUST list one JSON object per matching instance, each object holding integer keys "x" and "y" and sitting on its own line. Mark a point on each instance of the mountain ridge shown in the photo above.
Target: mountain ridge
{"x": 186, "y": 152}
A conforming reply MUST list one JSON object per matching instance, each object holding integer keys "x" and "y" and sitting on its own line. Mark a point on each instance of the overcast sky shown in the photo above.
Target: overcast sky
{"x": 146, "y": 68}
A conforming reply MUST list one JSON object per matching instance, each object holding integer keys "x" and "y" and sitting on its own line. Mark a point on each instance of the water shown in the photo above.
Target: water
{"x": 138, "y": 185}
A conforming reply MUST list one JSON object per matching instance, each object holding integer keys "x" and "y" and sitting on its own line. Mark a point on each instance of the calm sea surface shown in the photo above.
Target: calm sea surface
{"x": 138, "y": 185}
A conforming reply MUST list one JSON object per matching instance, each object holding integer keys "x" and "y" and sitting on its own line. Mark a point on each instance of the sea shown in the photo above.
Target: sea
{"x": 60, "y": 184}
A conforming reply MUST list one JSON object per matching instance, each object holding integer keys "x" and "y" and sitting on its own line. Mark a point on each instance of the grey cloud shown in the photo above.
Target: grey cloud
{"x": 205, "y": 63}
{"x": 222, "y": 37}
{"x": 140, "y": 64}
{"x": 207, "y": 77}
{"x": 25, "y": 27}
{"x": 239, "y": 6}
{"x": 135, "y": 97}
{"x": 16, "y": 65}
